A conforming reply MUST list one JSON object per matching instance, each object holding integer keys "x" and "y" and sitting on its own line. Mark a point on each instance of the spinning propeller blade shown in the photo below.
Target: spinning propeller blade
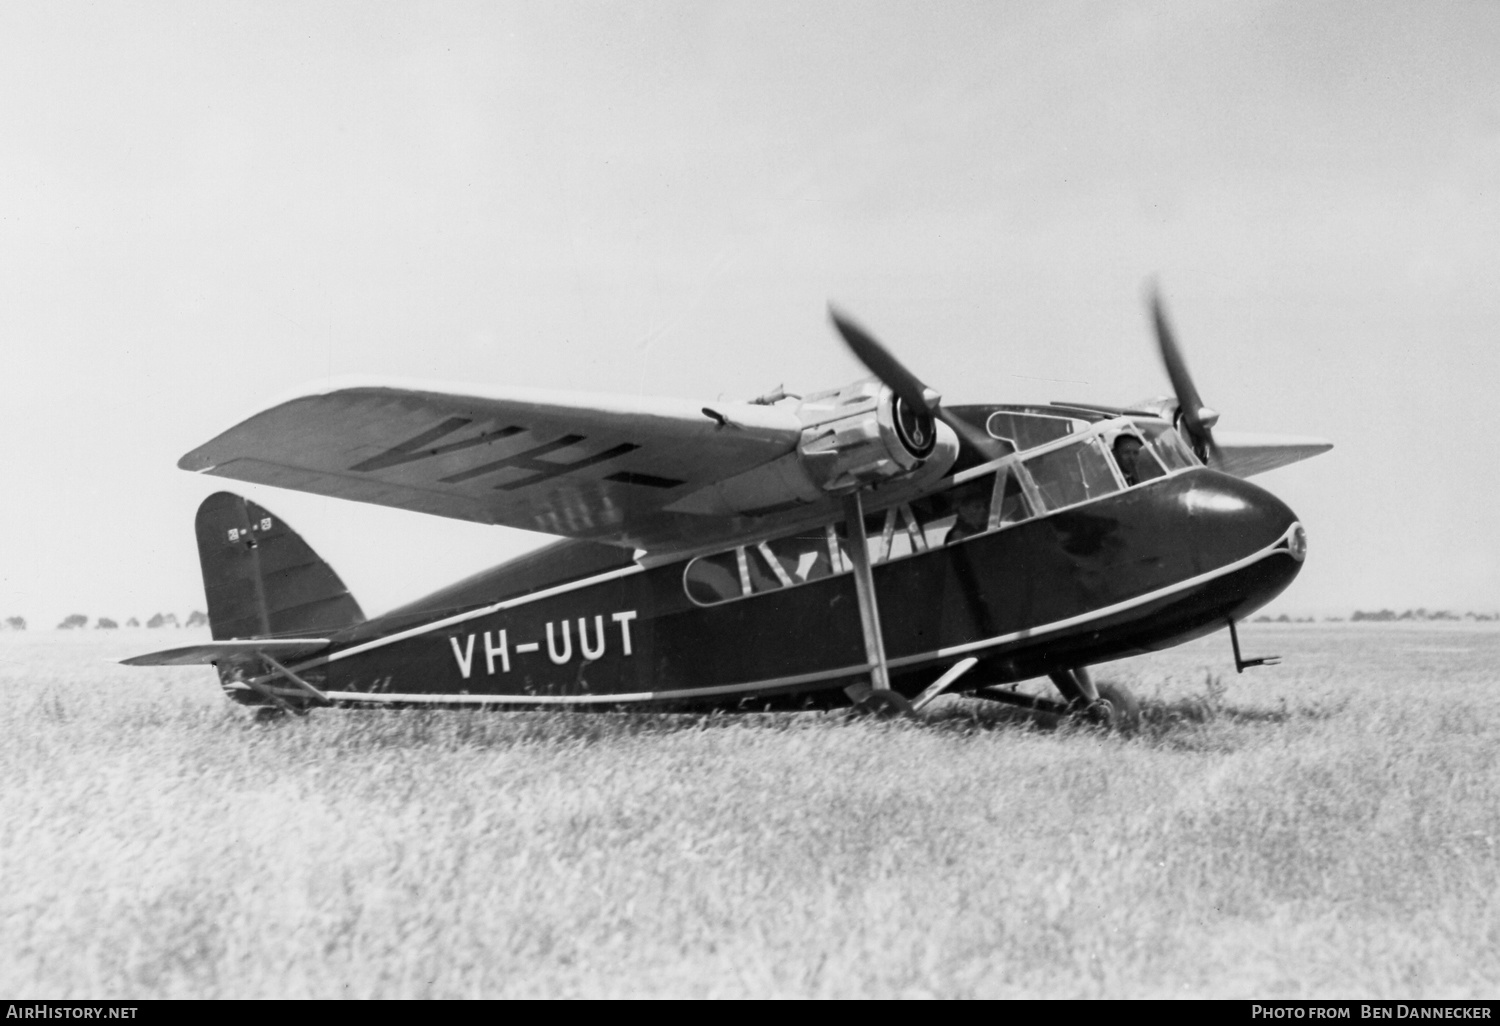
{"x": 907, "y": 386}
{"x": 1197, "y": 419}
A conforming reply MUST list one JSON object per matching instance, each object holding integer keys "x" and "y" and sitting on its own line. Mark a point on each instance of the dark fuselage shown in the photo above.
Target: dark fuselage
{"x": 578, "y": 624}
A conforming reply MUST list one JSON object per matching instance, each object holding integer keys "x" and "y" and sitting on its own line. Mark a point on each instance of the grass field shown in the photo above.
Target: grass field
{"x": 1328, "y": 827}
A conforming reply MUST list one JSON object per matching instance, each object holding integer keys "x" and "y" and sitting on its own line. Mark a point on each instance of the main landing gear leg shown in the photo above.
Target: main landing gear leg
{"x": 1112, "y": 705}
{"x": 1108, "y": 705}
{"x": 1076, "y": 686}
{"x": 875, "y": 697}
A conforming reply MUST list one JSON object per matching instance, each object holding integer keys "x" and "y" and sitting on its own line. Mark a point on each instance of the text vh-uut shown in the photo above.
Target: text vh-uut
{"x": 495, "y": 645}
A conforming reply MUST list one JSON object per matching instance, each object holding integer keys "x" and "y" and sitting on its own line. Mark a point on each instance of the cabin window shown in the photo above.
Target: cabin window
{"x": 890, "y": 534}
{"x": 957, "y": 513}
{"x": 983, "y": 504}
{"x": 1072, "y": 474}
{"x": 764, "y": 566}
{"x": 766, "y": 572}
{"x": 894, "y": 533}
{"x": 804, "y": 557}
{"x": 1168, "y": 446}
{"x": 1134, "y": 458}
{"x": 715, "y": 578}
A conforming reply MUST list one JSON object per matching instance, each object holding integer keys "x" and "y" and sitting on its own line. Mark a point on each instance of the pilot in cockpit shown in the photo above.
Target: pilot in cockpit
{"x": 1127, "y": 451}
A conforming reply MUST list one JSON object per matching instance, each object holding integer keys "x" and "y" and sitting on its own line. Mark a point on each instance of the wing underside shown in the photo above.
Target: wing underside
{"x": 601, "y": 468}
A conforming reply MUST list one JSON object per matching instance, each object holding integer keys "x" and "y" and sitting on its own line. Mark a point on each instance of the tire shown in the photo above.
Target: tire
{"x": 1125, "y": 711}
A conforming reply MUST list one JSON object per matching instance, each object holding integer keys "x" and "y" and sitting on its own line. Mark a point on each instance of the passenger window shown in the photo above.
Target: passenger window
{"x": 889, "y": 534}
{"x": 804, "y": 557}
{"x": 894, "y": 534}
{"x": 1073, "y": 474}
{"x": 715, "y": 578}
{"x": 958, "y": 513}
{"x": 763, "y": 569}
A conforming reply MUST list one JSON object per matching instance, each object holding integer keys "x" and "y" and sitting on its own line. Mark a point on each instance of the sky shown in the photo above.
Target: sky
{"x": 204, "y": 206}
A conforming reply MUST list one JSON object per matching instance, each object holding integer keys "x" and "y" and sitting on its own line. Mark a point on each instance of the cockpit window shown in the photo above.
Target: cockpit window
{"x": 1027, "y": 430}
{"x": 1136, "y": 463}
{"x": 1168, "y": 446}
{"x": 1013, "y": 506}
{"x": 1072, "y": 474}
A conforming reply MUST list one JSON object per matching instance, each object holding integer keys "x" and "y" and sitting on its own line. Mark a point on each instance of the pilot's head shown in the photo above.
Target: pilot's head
{"x": 1127, "y": 448}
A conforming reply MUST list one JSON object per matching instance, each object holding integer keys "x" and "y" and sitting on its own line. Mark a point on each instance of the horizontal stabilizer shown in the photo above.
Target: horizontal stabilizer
{"x": 1245, "y": 454}
{"x": 228, "y": 651}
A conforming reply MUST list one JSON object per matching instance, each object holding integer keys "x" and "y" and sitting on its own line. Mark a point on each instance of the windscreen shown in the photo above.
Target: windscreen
{"x": 1073, "y": 474}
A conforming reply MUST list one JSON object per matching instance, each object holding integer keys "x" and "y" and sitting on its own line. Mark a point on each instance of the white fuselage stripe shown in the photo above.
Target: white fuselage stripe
{"x": 474, "y": 614}
{"x": 810, "y": 678}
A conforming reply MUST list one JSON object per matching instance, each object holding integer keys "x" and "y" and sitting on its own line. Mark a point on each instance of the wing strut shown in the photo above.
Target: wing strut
{"x": 864, "y": 588}
{"x": 943, "y": 683}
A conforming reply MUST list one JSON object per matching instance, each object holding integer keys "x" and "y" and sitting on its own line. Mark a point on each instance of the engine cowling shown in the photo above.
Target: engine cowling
{"x": 856, "y": 436}
{"x": 869, "y": 436}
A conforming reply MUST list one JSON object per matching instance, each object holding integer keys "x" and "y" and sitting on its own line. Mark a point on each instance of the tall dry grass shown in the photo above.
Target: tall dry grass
{"x": 1326, "y": 827}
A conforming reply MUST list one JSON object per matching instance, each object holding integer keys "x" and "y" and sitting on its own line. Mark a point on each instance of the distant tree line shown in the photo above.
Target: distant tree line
{"x": 77, "y": 621}
{"x": 1389, "y": 616}
{"x": 1386, "y": 615}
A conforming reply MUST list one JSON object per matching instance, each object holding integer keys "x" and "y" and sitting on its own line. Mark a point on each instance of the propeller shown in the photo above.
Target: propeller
{"x": 1196, "y": 419}
{"x": 907, "y": 386}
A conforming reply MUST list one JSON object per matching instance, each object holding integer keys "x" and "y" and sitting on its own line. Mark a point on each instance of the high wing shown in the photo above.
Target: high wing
{"x": 1245, "y": 454}
{"x": 589, "y": 466}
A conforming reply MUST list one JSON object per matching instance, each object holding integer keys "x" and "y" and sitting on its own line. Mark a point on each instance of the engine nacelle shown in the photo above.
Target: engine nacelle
{"x": 859, "y": 435}
{"x": 869, "y": 435}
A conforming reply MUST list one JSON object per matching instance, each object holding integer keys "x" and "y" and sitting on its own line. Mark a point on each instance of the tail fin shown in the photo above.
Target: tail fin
{"x": 261, "y": 578}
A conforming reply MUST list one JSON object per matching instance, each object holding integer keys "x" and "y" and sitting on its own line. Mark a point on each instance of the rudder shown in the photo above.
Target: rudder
{"x": 261, "y": 579}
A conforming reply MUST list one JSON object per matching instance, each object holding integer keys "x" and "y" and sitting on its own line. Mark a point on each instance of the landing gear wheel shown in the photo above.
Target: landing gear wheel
{"x": 268, "y": 714}
{"x": 1098, "y": 713}
{"x": 1125, "y": 711}
{"x": 1106, "y": 705}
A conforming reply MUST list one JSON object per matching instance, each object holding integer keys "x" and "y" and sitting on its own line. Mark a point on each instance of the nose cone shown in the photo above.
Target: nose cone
{"x": 1233, "y": 523}
{"x": 1234, "y": 512}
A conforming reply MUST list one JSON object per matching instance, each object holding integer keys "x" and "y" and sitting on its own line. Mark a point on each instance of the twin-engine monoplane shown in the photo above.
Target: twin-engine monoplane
{"x": 865, "y": 545}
